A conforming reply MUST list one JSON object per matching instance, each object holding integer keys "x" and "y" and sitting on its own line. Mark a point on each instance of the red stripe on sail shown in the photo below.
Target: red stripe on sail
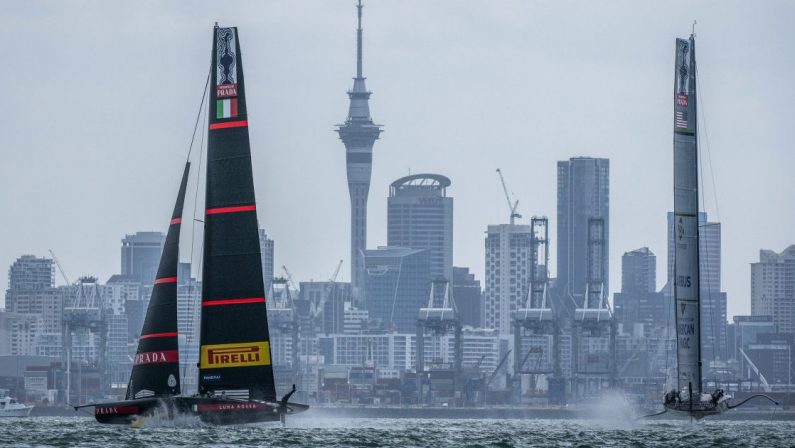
{"x": 233, "y": 107}
{"x": 172, "y": 334}
{"x": 229, "y": 124}
{"x": 166, "y": 280}
{"x": 233, "y": 301}
{"x": 236, "y": 209}
{"x": 176, "y": 221}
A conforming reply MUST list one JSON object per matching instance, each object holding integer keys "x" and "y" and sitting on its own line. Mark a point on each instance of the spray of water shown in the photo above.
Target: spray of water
{"x": 612, "y": 410}
{"x": 162, "y": 419}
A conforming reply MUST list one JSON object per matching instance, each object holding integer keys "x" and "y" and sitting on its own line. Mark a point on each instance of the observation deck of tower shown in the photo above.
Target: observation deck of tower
{"x": 358, "y": 133}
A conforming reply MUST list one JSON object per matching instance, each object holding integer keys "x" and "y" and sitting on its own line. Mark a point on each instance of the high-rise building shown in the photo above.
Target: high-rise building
{"x": 46, "y": 307}
{"x": 38, "y": 307}
{"x": 29, "y": 273}
{"x": 420, "y": 216}
{"x": 468, "y": 297}
{"x": 266, "y": 246}
{"x": 397, "y": 285}
{"x": 773, "y": 288}
{"x": 639, "y": 271}
{"x": 713, "y": 302}
{"x": 747, "y": 330}
{"x": 583, "y": 194}
{"x": 140, "y": 256}
{"x": 117, "y": 346}
{"x": 354, "y": 320}
{"x": 188, "y": 320}
{"x": 773, "y": 355}
{"x": 134, "y": 298}
{"x": 358, "y": 133}
{"x": 639, "y": 303}
{"x": 508, "y": 258}
{"x": 326, "y": 302}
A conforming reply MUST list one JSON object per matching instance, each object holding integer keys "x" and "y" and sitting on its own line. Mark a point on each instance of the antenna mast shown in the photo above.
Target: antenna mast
{"x": 359, "y": 6}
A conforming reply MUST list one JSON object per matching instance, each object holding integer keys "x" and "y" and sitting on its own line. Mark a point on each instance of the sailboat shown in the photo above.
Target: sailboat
{"x": 688, "y": 396}
{"x": 236, "y": 383}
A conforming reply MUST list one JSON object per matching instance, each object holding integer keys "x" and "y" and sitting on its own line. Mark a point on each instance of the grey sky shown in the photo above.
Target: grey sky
{"x": 100, "y": 99}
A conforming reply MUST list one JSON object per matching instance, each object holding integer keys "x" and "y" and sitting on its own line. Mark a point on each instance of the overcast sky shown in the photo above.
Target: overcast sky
{"x": 100, "y": 99}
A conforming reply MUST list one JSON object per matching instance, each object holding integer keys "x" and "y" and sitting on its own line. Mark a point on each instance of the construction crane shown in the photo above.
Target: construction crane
{"x": 499, "y": 366}
{"x": 515, "y": 205}
{"x": 60, "y": 268}
{"x": 332, "y": 281}
{"x": 480, "y": 361}
{"x": 336, "y": 273}
{"x": 289, "y": 277}
{"x": 527, "y": 355}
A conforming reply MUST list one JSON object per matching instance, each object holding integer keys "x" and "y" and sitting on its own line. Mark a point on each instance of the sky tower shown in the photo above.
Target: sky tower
{"x": 358, "y": 134}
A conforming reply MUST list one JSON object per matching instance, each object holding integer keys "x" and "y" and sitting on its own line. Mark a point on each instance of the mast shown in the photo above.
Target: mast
{"x": 155, "y": 369}
{"x": 686, "y": 257}
{"x": 235, "y": 354}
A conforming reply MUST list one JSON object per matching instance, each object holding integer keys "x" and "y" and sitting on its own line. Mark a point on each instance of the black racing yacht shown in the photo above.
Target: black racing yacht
{"x": 236, "y": 383}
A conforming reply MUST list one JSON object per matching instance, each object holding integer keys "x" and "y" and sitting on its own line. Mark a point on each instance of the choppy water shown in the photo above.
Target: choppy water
{"x": 344, "y": 432}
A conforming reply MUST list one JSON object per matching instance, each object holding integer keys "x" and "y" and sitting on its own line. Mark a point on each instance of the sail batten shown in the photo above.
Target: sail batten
{"x": 686, "y": 279}
{"x": 155, "y": 369}
{"x": 235, "y": 345}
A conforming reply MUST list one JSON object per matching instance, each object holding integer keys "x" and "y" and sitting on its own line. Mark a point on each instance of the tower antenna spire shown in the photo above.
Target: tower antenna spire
{"x": 359, "y": 6}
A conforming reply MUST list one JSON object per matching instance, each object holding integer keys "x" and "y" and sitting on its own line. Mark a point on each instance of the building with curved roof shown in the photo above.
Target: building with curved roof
{"x": 420, "y": 216}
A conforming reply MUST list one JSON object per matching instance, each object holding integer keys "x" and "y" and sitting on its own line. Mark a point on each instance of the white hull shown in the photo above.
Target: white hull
{"x": 24, "y": 411}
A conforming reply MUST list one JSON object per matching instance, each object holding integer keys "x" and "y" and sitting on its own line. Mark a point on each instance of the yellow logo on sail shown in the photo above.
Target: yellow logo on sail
{"x": 240, "y": 354}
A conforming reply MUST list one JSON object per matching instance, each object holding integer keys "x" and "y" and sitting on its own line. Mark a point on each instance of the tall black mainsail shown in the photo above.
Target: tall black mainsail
{"x": 235, "y": 349}
{"x": 155, "y": 371}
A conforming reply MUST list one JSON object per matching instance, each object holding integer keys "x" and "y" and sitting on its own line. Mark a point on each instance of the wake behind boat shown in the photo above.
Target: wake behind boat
{"x": 236, "y": 383}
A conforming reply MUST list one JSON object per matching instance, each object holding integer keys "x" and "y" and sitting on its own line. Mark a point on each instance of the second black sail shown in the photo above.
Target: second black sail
{"x": 155, "y": 371}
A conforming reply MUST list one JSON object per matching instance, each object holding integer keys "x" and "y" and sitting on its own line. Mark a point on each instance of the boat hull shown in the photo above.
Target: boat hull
{"x": 698, "y": 410}
{"x": 214, "y": 411}
{"x": 19, "y": 412}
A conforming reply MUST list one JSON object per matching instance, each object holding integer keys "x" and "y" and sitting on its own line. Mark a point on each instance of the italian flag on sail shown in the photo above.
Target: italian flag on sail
{"x": 226, "y": 108}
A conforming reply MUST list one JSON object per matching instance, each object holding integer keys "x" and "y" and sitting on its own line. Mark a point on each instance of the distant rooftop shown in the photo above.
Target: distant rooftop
{"x": 420, "y": 184}
{"x": 643, "y": 251}
{"x": 769, "y": 256}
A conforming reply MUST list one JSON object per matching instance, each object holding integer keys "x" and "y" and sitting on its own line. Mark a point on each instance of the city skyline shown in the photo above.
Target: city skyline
{"x": 97, "y": 180}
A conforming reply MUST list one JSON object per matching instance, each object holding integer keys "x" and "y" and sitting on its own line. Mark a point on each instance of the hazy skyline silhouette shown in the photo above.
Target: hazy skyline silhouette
{"x": 101, "y": 101}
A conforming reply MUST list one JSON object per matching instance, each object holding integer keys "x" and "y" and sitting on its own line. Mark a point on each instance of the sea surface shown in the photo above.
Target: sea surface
{"x": 358, "y": 432}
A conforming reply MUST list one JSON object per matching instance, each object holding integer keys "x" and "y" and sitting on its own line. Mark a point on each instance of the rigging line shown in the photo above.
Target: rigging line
{"x": 199, "y": 114}
{"x": 189, "y": 338}
{"x": 715, "y": 197}
{"x": 706, "y": 257}
{"x": 706, "y": 143}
